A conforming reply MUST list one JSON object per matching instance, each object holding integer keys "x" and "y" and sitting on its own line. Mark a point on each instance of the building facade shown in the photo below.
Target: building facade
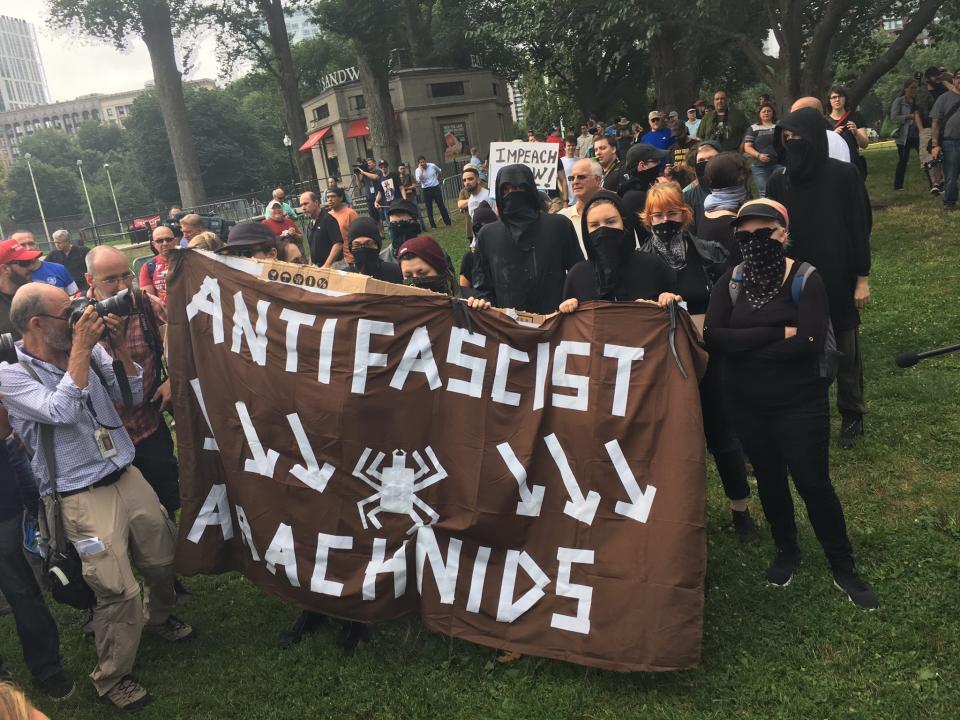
{"x": 22, "y": 80}
{"x": 440, "y": 113}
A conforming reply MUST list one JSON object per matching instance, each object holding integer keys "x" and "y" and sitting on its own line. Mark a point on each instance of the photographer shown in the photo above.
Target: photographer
{"x": 104, "y": 501}
{"x": 931, "y": 89}
{"x": 370, "y": 178}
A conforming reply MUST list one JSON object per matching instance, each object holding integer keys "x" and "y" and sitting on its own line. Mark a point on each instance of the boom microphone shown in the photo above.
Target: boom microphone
{"x": 909, "y": 359}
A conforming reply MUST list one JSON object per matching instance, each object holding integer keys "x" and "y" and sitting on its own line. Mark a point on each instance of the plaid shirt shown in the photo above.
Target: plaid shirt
{"x": 57, "y": 401}
{"x": 142, "y": 420}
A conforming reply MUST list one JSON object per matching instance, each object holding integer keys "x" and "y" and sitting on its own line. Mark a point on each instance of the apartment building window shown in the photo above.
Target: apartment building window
{"x": 446, "y": 89}
{"x": 356, "y": 102}
{"x": 322, "y": 112}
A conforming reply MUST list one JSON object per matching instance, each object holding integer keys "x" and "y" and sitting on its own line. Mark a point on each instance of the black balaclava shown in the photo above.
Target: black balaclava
{"x": 609, "y": 249}
{"x": 365, "y": 260}
{"x": 807, "y": 155}
{"x": 520, "y": 209}
{"x": 763, "y": 265}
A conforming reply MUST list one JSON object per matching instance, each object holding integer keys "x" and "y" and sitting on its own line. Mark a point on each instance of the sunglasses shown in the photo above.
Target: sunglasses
{"x": 571, "y": 178}
{"x": 24, "y": 263}
{"x": 164, "y": 240}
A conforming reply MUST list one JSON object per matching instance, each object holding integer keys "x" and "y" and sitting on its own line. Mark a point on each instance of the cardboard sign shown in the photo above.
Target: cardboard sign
{"x": 537, "y": 489}
{"x": 542, "y": 158}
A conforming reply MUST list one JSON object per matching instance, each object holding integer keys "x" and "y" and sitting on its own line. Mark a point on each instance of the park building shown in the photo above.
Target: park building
{"x": 22, "y": 80}
{"x": 440, "y": 113}
{"x": 67, "y": 116}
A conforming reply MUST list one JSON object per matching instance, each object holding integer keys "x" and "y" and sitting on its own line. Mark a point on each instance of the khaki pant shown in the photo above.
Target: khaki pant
{"x": 126, "y": 517}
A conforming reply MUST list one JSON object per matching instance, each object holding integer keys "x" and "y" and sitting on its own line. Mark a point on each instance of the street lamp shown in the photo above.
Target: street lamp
{"x": 288, "y": 144}
{"x": 106, "y": 166}
{"x": 36, "y": 192}
{"x": 84, "y": 183}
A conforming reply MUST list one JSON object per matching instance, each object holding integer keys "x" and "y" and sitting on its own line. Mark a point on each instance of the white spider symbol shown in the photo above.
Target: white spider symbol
{"x": 396, "y": 486}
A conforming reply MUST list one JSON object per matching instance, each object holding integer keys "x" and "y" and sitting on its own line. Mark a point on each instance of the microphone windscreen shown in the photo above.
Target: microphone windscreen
{"x": 907, "y": 359}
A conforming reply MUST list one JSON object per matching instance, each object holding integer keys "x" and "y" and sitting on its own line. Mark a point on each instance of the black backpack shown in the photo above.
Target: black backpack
{"x": 828, "y": 364}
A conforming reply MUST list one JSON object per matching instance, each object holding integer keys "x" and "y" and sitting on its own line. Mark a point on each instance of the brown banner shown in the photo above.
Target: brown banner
{"x": 538, "y": 489}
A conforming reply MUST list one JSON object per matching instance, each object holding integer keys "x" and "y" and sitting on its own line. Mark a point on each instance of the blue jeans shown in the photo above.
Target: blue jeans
{"x": 38, "y": 633}
{"x": 951, "y": 168}
{"x": 761, "y": 176}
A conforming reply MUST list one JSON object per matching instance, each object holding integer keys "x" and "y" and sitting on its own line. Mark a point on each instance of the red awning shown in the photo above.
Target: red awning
{"x": 358, "y": 128}
{"x": 314, "y": 139}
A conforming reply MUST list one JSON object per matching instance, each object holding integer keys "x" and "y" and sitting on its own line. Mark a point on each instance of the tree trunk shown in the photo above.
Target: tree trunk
{"x": 674, "y": 63}
{"x": 296, "y": 123}
{"x": 376, "y": 91}
{"x": 158, "y": 36}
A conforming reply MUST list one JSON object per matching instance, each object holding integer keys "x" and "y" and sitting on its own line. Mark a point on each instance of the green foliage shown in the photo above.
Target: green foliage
{"x": 99, "y": 138}
{"x": 545, "y": 106}
{"x": 317, "y": 56}
{"x": 59, "y": 189}
{"x": 53, "y": 147}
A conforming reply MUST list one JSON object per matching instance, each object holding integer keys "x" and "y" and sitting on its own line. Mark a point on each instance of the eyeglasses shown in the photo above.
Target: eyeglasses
{"x": 836, "y": 97}
{"x": 65, "y": 315}
{"x": 571, "y": 178}
{"x": 114, "y": 279}
{"x": 671, "y": 215}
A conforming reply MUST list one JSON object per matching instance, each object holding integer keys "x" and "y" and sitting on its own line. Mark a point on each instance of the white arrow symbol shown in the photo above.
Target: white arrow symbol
{"x": 312, "y": 475}
{"x": 531, "y": 498}
{"x": 640, "y": 500}
{"x": 208, "y": 443}
{"x": 578, "y": 507}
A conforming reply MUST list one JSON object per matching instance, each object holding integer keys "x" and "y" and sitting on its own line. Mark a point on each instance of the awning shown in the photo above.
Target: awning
{"x": 358, "y": 128}
{"x": 314, "y": 138}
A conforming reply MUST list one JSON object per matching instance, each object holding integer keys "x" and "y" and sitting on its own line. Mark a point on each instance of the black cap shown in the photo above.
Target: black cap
{"x": 383, "y": 162}
{"x": 248, "y": 234}
{"x": 710, "y": 143}
{"x": 643, "y": 152}
{"x": 402, "y": 206}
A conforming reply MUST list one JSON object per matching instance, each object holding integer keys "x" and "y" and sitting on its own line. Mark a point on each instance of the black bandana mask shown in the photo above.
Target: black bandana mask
{"x": 670, "y": 244}
{"x": 403, "y": 230}
{"x": 436, "y": 283}
{"x": 701, "y": 170}
{"x": 367, "y": 259}
{"x": 801, "y": 161}
{"x": 607, "y": 246}
{"x": 763, "y": 265}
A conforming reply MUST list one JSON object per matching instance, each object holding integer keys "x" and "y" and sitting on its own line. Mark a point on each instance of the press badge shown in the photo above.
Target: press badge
{"x": 105, "y": 443}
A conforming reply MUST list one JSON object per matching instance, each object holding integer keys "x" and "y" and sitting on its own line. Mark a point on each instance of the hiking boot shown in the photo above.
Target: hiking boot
{"x": 58, "y": 686}
{"x": 781, "y": 570}
{"x": 129, "y": 695}
{"x": 172, "y": 630}
{"x": 351, "y": 636}
{"x": 851, "y": 430}
{"x": 744, "y": 526}
{"x": 306, "y": 623}
{"x": 856, "y": 589}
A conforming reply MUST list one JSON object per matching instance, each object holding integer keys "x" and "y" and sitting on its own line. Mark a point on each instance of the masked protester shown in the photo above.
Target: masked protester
{"x": 643, "y": 166}
{"x": 831, "y": 230}
{"x": 615, "y": 270}
{"x": 364, "y": 240}
{"x": 695, "y": 265}
{"x": 768, "y": 330}
{"x": 483, "y": 215}
{"x": 696, "y": 193}
{"x": 425, "y": 265}
{"x": 403, "y": 224}
{"x": 523, "y": 258}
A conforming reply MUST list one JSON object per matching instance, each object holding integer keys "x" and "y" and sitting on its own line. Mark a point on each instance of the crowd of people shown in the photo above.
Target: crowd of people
{"x": 758, "y": 226}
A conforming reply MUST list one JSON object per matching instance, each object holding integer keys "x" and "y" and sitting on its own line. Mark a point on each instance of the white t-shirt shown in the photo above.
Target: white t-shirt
{"x": 474, "y": 200}
{"x": 567, "y": 170}
{"x": 428, "y": 176}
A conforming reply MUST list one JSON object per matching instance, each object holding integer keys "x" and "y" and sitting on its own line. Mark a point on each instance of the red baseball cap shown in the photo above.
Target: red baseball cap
{"x": 11, "y": 251}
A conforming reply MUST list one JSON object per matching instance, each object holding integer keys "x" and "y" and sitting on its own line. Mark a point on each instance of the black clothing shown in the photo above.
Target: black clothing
{"x": 643, "y": 277}
{"x": 10, "y": 503}
{"x": 719, "y": 230}
{"x": 706, "y": 261}
{"x": 925, "y": 100}
{"x": 612, "y": 179}
{"x": 829, "y": 216}
{"x": 850, "y": 400}
{"x": 155, "y": 458}
{"x": 903, "y": 153}
{"x": 850, "y": 138}
{"x": 386, "y": 271}
{"x": 633, "y": 188}
{"x": 75, "y": 263}
{"x": 389, "y": 188}
{"x": 466, "y": 265}
{"x": 766, "y": 371}
{"x": 323, "y": 234}
{"x": 719, "y": 432}
{"x": 694, "y": 197}
{"x": 524, "y": 272}
{"x": 5, "y": 325}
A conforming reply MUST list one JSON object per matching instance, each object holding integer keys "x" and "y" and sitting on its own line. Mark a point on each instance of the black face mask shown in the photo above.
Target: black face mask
{"x": 763, "y": 265}
{"x": 669, "y": 242}
{"x": 366, "y": 259}
{"x": 403, "y": 230}
{"x": 702, "y": 173}
{"x": 436, "y": 283}
{"x": 607, "y": 245}
{"x": 801, "y": 163}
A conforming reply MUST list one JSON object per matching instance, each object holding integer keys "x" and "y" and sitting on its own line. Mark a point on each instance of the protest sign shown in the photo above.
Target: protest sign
{"x": 542, "y": 158}
{"x": 538, "y": 489}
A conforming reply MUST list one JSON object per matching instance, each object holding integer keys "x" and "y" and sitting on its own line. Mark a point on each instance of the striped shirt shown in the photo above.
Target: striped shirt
{"x": 56, "y": 400}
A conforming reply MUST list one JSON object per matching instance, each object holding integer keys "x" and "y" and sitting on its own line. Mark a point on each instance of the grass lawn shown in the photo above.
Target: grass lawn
{"x": 802, "y": 652}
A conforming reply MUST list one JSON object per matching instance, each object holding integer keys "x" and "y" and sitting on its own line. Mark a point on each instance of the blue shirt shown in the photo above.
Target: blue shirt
{"x": 57, "y": 401}
{"x": 57, "y": 275}
{"x": 662, "y": 139}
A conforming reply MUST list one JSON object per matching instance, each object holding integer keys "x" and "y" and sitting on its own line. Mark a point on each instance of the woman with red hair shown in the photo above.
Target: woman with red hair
{"x": 694, "y": 266}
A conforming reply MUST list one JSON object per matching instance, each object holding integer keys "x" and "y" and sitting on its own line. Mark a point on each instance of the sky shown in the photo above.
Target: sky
{"x": 76, "y": 66}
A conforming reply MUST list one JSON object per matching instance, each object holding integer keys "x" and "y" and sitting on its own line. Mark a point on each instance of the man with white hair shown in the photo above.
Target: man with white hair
{"x": 585, "y": 178}
{"x": 71, "y": 257}
{"x": 50, "y": 273}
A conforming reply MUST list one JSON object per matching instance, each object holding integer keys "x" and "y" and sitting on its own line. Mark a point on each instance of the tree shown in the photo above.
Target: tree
{"x": 809, "y": 34}
{"x": 269, "y": 49}
{"x": 59, "y": 190}
{"x": 91, "y": 135}
{"x": 116, "y": 21}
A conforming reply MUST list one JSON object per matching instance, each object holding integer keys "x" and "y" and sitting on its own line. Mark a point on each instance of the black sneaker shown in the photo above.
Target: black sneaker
{"x": 744, "y": 526}
{"x": 306, "y": 623}
{"x": 856, "y": 589}
{"x": 58, "y": 686}
{"x": 781, "y": 570}
{"x": 851, "y": 430}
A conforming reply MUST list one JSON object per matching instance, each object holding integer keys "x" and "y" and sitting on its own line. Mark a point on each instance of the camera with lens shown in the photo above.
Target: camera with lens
{"x": 121, "y": 305}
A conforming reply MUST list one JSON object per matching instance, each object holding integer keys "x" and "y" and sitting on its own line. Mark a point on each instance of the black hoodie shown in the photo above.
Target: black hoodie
{"x": 829, "y": 213}
{"x": 641, "y": 276}
{"x": 522, "y": 259}
{"x": 372, "y": 265}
